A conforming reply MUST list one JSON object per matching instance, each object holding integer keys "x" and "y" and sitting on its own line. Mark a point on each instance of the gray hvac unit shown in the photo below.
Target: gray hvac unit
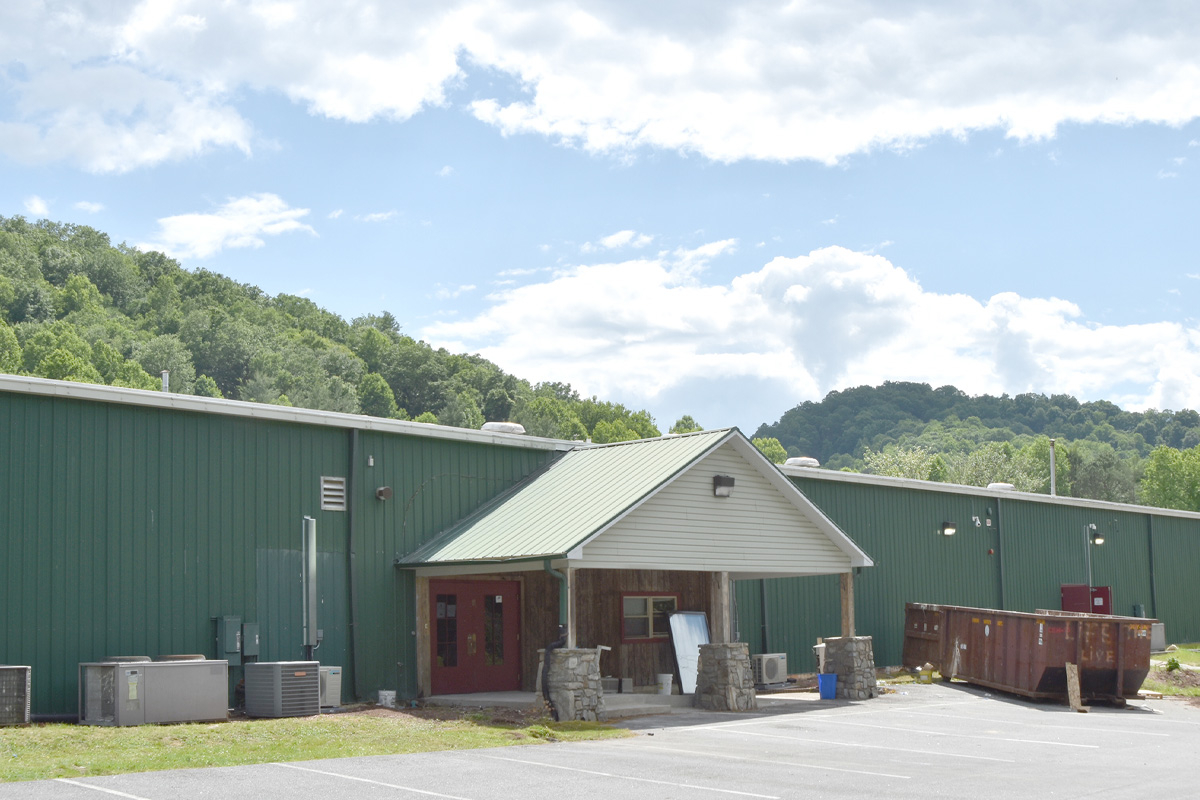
{"x": 331, "y": 687}
{"x": 769, "y": 668}
{"x": 283, "y": 689}
{"x": 140, "y": 692}
{"x": 14, "y": 695}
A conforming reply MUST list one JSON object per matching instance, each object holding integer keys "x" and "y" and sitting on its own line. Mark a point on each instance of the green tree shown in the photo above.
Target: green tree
{"x": 461, "y": 411}
{"x": 131, "y": 375}
{"x": 167, "y": 352}
{"x": 10, "y": 349}
{"x": 771, "y": 448}
{"x": 686, "y": 424}
{"x": 428, "y": 417}
{"x": 498, "y": 405}
{"x": 63, "y": 365}
{"x": 607, "y": 432}
{"x": 1172, "y": 479}
{"x": 901, "y": 462}
{"x": 375, "y": 396}
{"x": 206, "y": 387}
{"x": 550, "y": 417}
{"x": 79, "y": 294}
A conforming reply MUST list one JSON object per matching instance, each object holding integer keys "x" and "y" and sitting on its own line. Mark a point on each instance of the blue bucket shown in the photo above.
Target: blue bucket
{"x": 827, "y": 685}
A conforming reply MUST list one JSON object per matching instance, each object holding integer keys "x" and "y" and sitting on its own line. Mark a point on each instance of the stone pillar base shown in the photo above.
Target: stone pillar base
{"x": 853, "y": 659}
{"x": 724, "y": 681}
{"x": 574, "y": 684}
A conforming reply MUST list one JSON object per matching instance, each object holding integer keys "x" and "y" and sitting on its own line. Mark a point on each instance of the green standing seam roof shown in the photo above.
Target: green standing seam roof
{"x": 558, "y": 508}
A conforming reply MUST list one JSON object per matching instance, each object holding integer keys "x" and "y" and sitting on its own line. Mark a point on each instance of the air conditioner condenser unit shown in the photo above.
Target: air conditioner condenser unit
{"x": 769, "y": 668}
{"x": 14, "y": 695}
{"x": 283, "y": 689}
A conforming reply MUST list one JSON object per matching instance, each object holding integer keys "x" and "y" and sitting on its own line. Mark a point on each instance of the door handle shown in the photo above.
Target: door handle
{"x": 470, "y": 644}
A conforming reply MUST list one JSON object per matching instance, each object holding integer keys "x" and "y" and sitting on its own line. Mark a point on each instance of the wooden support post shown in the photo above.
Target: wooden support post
{"x": 424, "y": 677}
{"x": 722, "y": 625}
{"x": 847, "y": 584}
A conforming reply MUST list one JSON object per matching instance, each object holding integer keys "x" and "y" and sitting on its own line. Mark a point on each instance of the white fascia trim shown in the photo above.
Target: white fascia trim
{"x": 770, "y": 471}
{"x": 980, "y": 491}
{"x": 23, "y": 384}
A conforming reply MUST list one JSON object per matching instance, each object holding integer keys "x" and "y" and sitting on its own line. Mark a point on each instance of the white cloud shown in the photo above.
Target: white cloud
{"x": 451, "y": 292}
{"x": 646, "y": 328}
{"x": 445, "y": 172}
{"x": 240, "y": 222}
{"x": 335, "y": 214}
{"x": 36, "y": 206}
{"x": 378, "y": 216}
{"x": 1164, "y": 174}
{"x": 120, "y": 85}
{"x": 626, "y": 238}
{"x": 89, "y": 207}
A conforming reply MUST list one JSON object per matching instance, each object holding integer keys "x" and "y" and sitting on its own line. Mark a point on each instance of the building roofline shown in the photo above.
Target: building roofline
{"x": 24, "y": 384}
{"x": 979, "y": 491}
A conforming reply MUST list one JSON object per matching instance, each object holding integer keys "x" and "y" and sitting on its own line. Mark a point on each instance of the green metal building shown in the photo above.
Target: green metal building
{"x": 130, "y": 521}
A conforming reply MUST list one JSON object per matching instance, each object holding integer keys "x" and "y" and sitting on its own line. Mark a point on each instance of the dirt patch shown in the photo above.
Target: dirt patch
{"x": 1179, "y": 678}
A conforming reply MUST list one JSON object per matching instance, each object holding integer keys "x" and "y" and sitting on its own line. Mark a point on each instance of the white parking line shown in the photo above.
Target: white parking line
{"x": 961, "y": 735}
{"x": 1088, "y": 729}
{"x": 99, "y": 789}
{"x": 630, "y": 778}
{"x": 803, "y": 715}
{"x": 771, "y": 761}
{"x": 938, "y": 753}
{"x": 368, "y": 780}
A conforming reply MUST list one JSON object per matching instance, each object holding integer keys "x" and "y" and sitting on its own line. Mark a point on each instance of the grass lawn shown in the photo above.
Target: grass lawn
{"x": 1186, "y": 654}
{"x": 71, "y": 751}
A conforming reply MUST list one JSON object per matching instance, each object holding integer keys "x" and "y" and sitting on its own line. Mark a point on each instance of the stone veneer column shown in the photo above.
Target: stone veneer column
{"x": 574, "y": 684}
{"x": 853, "y": 659}
{"x": 724, "y": 681}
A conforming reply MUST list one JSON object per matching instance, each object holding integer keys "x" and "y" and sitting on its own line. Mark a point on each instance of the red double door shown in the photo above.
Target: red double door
{"x": 474, "y": 636}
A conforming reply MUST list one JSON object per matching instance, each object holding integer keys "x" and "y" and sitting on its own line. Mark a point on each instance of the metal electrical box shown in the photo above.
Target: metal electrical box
{"x": 331, "y": 687}
{"x": 250, "y": 648}
{"x": 141, "y": 692}
{"x": 229, "y": 640}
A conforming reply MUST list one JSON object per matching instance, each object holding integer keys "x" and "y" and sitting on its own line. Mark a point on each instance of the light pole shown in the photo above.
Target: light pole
{"x": 1090, "y": 537}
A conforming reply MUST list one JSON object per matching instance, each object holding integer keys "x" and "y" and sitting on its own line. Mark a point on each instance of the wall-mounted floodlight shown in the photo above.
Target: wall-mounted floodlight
{"x": 1097, "y": 537}
{"x": 722, "y": 485}
{"x": 949, "y": 529}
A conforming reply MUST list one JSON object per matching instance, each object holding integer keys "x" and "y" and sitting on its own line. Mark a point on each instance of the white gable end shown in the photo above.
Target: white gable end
{"x": 756, "y": 532}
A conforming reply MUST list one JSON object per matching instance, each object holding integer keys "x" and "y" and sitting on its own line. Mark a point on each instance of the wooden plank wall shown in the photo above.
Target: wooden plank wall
{"x": 598, "y": 598}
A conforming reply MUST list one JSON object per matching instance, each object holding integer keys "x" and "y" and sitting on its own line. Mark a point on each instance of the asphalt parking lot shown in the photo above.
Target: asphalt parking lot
{"x": 920, "y": 742}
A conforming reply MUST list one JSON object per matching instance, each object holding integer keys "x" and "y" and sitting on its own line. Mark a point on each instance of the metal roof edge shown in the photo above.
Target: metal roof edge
{"x": 980, "y": 491}
{"x": 400, "y": 563}
{"x": 25, "y": 384}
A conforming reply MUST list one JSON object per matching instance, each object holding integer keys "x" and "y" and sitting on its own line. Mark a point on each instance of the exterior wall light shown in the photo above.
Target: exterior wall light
{"x": 948, "y": 529}
{"x": 1097, "y": 537}
{"x": 722, "y": 485}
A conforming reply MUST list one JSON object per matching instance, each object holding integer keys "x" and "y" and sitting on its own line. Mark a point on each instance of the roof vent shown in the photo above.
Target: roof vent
{"x": 1001, "y": 487}
{"x": 504, "y": 427}
{"x": 802, "y": 461}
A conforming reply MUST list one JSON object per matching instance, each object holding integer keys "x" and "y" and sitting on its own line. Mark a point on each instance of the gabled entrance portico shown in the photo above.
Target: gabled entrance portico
{"x": 609, "y": 539}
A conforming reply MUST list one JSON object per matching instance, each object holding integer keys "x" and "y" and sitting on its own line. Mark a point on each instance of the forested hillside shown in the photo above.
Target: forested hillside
{"x": 913, "y": 430}
{"x": 75, "y": 307}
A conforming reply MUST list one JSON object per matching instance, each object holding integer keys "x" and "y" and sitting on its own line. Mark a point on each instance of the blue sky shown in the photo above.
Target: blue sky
{"x": 693, "y": 208}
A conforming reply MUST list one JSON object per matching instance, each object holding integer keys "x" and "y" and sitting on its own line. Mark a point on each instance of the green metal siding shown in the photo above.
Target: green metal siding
{"x": 126, "y": 529}
{"x": 1036, "y": 546}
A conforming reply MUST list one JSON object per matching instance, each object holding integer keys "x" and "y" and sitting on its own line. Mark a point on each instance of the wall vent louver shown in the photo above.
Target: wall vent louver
{"x": 333, "y": 493}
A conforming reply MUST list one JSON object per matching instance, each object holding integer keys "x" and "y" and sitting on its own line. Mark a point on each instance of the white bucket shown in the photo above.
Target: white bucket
{"x": 387, "y": 698}
{"x": 664, "y": 682}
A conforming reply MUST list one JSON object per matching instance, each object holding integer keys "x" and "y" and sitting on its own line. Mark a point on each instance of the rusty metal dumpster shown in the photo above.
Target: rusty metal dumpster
{"x": 1027, "y": 653}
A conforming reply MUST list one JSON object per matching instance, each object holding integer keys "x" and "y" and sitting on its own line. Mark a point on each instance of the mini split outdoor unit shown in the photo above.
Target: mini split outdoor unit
{"x": 283, "y": 689}
{"x": 769, "y": 668}
{"x": 14, "y": 695}
{"x": 331, "y": 687}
